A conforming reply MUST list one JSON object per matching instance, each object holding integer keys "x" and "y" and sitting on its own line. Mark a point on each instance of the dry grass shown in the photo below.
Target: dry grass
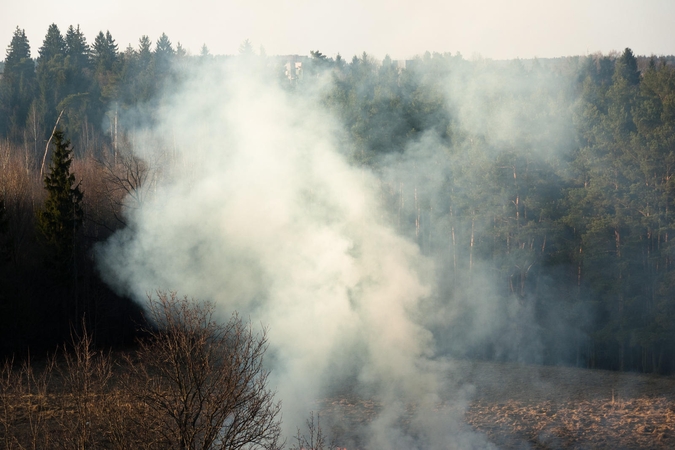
{"x": 515, "y": 406}
{"x": 520, "y": 406}
{"x": 49, "y": 415}
{"x": 192, "y": 383}
{"x": 638, "y": 423}
{"x": 562, "y": 407}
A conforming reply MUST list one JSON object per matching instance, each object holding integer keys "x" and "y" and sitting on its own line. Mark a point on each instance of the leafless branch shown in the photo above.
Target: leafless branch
{"x": 44, "y": 157}
{"x": 203, "y": 381}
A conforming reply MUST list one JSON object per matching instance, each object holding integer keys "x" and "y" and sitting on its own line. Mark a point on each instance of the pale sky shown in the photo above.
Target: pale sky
{"x": 497, "y": 29}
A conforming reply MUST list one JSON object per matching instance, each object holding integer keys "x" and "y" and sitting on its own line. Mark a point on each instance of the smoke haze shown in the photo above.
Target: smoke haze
{"x": 260, "y": 210}
{"x": 262, "y": 214}
{"x": 509, "y": 122}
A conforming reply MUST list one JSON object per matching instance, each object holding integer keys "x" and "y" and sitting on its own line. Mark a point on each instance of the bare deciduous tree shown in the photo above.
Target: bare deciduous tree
{"x": 128, "y": 179}
{"x": 20, "y": 189}
{"x": 203, "y": 381}
{"x": 85, "y": 377}
{"x": 316, "y": 439}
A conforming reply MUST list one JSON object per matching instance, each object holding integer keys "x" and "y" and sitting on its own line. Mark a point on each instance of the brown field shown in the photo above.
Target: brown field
{"x": 533, "y": 407}
{"x": 514, "y": 406}
{"x": 556, "y": 407}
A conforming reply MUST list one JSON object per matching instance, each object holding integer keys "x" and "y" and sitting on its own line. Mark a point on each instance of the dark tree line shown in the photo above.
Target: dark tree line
{"x": 81, "y": 86}
{"x": 567, "y": 214}
{"x": 550, "y": 181}
{"x": 59, "y": 199}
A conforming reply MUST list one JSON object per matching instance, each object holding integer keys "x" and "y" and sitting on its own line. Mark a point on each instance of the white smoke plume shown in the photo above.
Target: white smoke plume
{"x": 260, "y": 212}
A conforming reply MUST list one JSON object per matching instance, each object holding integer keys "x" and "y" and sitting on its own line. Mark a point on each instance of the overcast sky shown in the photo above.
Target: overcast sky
{"x": 497, "y": 29}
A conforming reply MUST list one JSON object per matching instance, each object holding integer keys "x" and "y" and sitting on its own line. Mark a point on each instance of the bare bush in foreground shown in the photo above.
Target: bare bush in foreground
{"x": 85, "y": 375}
{"x": 316, "y": 439}
{"x": 24, "y": 399}
{"x": 203, "y": 382}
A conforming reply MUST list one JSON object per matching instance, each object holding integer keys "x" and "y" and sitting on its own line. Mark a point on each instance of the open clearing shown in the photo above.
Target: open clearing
{"x": 514, "y": 406}
{"x": 535, "y": 407}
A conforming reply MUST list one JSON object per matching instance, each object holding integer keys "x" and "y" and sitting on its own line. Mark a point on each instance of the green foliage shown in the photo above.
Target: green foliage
{"x": 78, "y": 52}
{"x": 580, "y": 189}
{"x": 626, "y": 68}
{"x": 78, "y": 82}
{"x": 53, "y": 44}
{"x": 622, "y": 208}
{"x": 18, "y": 51}
{"x": 51, "y": 76}
{"x": 62, "y": 214}
{"x": 17, "y": 86}
{"x": 164, "y": 50}
{"x": 246, "y": 48}
{"x": 138, "y": 74}
{"x": 144, "y": 51}
{"x": 106, "y": 67}
{"x": 105, "y": 52}
{"x": 164, "y": 56}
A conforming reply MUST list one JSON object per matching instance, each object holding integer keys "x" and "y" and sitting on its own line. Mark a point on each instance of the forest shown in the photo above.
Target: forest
{"x": 544, "y": 188}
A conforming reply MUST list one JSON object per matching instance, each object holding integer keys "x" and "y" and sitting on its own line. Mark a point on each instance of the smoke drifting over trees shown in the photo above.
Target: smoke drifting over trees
{"x": 382, "y": 218}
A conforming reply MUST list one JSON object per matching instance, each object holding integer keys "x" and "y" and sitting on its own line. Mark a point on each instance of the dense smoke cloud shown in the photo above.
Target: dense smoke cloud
{"x": 510, "y": 126}
{"x": 260, "y": 212}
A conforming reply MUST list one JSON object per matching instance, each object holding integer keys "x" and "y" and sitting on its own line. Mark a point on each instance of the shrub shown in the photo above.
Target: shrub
{"x": 203, "y": 382}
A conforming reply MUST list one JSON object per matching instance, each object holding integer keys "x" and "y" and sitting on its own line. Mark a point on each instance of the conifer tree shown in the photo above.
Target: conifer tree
{"x": 164, "y": 49}
{"x": 17, "y": 86}
{"x": 246, "y": 49}
{"x": 78, "y": 62}
{"x": 144, "y": 50}
{"x": 51, "y": 75}
{"x": 626, "y": 67}
{"x": 106, "y": 70}
{"x": 53, "y": 45}
{"x": 142, "y": 73}
{"x": 76, "y": 103}
{"x": 62, "y": 213}
{"x": 164, "y": 56}
{"x": 204, "y": 53}
{"x": 77, "y": 48}
{"x": 105, "y": 52}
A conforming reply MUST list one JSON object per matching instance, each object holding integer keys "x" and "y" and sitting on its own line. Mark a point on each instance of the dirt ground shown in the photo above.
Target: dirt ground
{"x": 510, "y": 406}
{"x": 533, "y": 407}
{"x": 554, "y": 407}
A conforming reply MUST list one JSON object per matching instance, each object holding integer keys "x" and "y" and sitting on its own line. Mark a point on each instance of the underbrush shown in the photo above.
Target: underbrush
{"x": 191, "y": 383}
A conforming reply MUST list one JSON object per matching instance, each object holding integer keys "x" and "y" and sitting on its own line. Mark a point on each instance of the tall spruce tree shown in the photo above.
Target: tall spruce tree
{"x": 105, "y": 51}
{"x": 144, "y": 85}
{"x": 51, "y": 75}
{"x": 77, "y": 48}
{"x": 77, "y": 60}
{"x": 164, "y": 57}
{"x": 164, "y": 52}
{"x": 53, "y": 45}
{"x": 105, "y": 59}
{"x": 79, "y": 81}
{"x": 626, "y": 67}
{"x": 62, "y": 213}
{"x": 17, "y": 86}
